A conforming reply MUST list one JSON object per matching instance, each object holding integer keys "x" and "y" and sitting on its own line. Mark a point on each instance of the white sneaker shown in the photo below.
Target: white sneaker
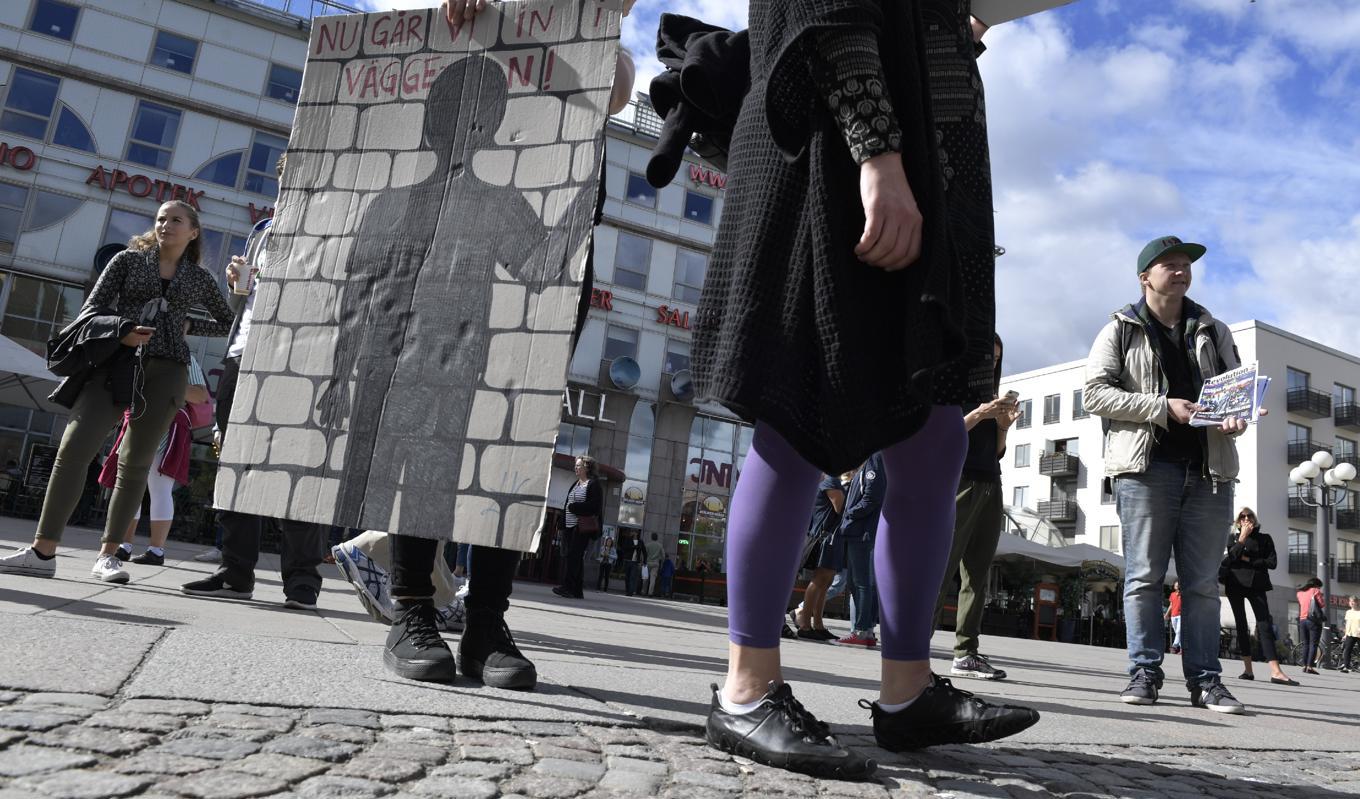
{"x": 109, "y": 569}
{"x": 210, "y": 555}
{"x": 26, "y": 561}
{"x": 369, "y": 580}
{"x": 451, "y": 617}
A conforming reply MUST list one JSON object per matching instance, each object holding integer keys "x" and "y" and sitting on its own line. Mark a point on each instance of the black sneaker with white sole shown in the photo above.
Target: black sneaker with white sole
{"x": 1142, "y": 689}
{"x": 414, "y": 649}
{"x": 783, "y": 734}
{"x": 149, "y": 558}
{"x": 943, "y": 714}
{"x": 1215, "y": 696}
{"x": 222, "y": 584}
{"x": 976, "y": 667}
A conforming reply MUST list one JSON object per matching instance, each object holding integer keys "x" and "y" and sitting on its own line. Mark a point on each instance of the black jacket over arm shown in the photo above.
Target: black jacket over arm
{"x": 593, "y": 505}
{"x": 1252, "y": 574}
{"x": 92, "y": 340}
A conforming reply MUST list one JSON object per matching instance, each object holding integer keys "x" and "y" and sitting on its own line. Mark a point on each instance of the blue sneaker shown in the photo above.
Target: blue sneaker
{"x": 369, "y": 580}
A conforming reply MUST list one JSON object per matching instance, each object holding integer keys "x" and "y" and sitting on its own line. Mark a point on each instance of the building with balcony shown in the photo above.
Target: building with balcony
{"x": 1054, "y": 464}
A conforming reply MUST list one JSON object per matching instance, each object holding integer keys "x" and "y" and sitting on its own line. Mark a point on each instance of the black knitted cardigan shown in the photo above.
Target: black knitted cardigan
{"x": 792, "y": 329}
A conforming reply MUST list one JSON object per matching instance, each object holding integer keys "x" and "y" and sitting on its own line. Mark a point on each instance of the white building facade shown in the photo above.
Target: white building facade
{"x": 1055, "y": 466}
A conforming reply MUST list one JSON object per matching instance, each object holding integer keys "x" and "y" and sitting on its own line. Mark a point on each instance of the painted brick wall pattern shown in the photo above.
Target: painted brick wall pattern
{"x": 412, "y": 326}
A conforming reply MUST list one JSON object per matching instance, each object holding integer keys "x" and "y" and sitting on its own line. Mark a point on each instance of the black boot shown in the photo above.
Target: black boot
{"x": 943, "y": 714}
{"x": 414, "y": 649}
{"x": 487, "y": 652}
{"x": 783, "y": 734}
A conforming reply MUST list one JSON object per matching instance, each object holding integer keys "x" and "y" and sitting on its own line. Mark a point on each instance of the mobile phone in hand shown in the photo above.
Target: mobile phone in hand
{"x": 1012, "y": 395}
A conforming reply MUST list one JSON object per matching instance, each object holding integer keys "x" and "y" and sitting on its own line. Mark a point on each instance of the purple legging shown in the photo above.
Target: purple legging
{"x": 768, "y": 524}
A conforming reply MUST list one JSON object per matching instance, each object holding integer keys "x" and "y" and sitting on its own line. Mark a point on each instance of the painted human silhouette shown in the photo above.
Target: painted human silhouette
{"x": 413, "y": 321}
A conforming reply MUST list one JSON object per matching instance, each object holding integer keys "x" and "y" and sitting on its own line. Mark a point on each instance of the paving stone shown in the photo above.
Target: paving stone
{"x": 427, "y": 755}
{"x": 200, "y": 731}
{"x": 577, "y": 742}
{"x": 544, "y": 749}
{"x": 571, "y": 769}
{"x": 481, "y": 725}
{"x": 10, "y": 696}
{"x": 870, "y": 790}
{"x": 718, "y": 782}
{"x": 969, "y": 790}
{"x": 105, "y": 742}
{"x": 8, "y": 737}
{"x": 119, "y": 719}
{"x": 281, "y": 767}
{"x": 87, "y": 784}
{"x": 22, "y": 760}
{"x": 250, "y": 721}
{"x": 640, "y": 751}
{"x": 613, "y": 735}
{"x": 497, "y": 754}
{"x": 538, "y": 786}
{"x": 490, "y": 739}
{"x": 418, "y": 736}
{"x": 154, "y": 762}
{"x": 400, "y": 720}
{"x": 636, "y": 765}
{"x": 387, "y": 769}
{"x": 85, "y": 701}
{"x": 224, "y": 784}
{"x": 633, "y": 783}
{"x": 303, "y": 746}
{"x": 333, "y": 787}
{"x": 339, "y": 732}
{"x": 211, "y": 748}
{"x": 475, "y": 769}
{"x": 724, "y": 768}
{"x": 349, "y": 718}
{"x": 35, "y": 720}
{"x": 259, "y": 710}
{"x": 461, "y": 787}
{"x": 171, "y": 707}
{"x": 547, "y": 729}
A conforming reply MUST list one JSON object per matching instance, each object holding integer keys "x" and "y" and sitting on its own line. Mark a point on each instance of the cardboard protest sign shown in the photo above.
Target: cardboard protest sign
{"x": 412, "y": 326}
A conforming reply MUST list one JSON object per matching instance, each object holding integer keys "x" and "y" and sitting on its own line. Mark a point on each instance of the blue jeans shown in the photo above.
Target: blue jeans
{"x": 1169, "y": 509}
{"x": 837, "y": 588}
{"x": 859, "y": 563}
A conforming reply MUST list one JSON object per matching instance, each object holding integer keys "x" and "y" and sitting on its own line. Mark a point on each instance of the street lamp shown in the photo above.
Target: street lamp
{"x": 1325, "y": 498}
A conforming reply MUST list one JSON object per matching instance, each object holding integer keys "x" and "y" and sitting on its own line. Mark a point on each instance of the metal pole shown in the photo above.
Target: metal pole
{"x": 1324, "y": 510}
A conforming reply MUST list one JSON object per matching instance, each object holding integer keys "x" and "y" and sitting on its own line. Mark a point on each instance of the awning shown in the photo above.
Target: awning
{"x": 24, "y": 379}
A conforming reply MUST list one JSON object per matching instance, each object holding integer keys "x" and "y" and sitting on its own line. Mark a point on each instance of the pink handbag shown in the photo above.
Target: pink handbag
{"x": 200, "y": 414}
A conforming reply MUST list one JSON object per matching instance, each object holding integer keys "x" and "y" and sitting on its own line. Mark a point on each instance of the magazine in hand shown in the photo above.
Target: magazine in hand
{"x": 1237, "y": 394}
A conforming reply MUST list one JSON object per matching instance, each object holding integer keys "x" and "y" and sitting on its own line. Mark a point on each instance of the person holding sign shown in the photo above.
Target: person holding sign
{"x": 1173, "y": 483}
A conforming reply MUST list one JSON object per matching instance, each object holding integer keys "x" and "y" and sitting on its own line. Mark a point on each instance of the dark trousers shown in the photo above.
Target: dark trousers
{"x": 1346, "y": 647}
{"x": 631, "y": 575}
{"x": 302, "y": 546}
{"x": 1265, "y": 628}
{"x": 602, "y": 580}
{"x": 1310, "y": 635}
{"x": 573, "y": 570}
{"x": 491, "y": 573}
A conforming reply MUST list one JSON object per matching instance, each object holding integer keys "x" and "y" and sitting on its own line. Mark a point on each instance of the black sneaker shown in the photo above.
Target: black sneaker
{"x": 788, "y": 632}
{"x": 943, "y": 714}
{"x": 782, "y": 734}
{"x": 414, "y": 649}
{"x": 302, "y": 598}
{"x": 220, "y": 584}
{"x": 149, "y": 558}
{"x": 1142, "y": 689}
{"x": 487, "y": 652}
{"x": 1214, "y": 695}
{"x": 813, "y": 634}
{"x": 124, "y": 554}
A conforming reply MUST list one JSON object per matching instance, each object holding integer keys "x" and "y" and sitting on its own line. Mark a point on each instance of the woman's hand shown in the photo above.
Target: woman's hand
{"x": 139, "y": 336}
{"x": 892, "y": 222}
{"x": 459, "y": 11}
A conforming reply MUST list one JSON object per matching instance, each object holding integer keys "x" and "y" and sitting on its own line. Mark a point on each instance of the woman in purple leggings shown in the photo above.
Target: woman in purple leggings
{"x": 848, "y": 309}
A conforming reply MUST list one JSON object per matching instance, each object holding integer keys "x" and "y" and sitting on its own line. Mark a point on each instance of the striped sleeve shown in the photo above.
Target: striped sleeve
{"x": 196, "y": 376}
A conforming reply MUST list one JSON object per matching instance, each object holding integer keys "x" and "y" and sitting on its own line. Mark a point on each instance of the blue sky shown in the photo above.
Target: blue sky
{"x": 1228, "y": 122}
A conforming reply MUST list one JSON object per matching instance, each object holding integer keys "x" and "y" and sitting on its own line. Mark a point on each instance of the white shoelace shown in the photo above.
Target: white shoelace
{"x": 108, "y": 563}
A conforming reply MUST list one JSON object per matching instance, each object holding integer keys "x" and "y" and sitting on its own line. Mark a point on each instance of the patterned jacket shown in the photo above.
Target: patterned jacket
{"x": 132, "y": 280}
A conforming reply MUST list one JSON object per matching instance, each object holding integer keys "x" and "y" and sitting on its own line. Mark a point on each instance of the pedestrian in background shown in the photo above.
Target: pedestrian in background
{"x": 1352, "y": 633}
{"x": 653, "y": 552}
{"x": 581, "y": 525}
{"x": 1173, "y": 613}
{"x": 978, "y": 519}
{"x": 828, "y": 558}
{"x": 1312, "y": 615}
{"x": 608, "y": 554}
{"x": 1173, "y": 483}
{"x": 1246, "y": 579}
{"x": 858, "y": 533}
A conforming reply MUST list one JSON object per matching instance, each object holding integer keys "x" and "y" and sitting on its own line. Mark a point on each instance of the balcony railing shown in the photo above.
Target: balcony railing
{"x": 639, "y": 118}
{"x": 1348, "y": 571}
{"x": 1298, "y": 509}
{"x": 1300, "y": 451}
{"x": 1059, "y": 464}
{"x": 1309, "y": 402}
{"x": 1348, "y": 520}
{"x": 1347, "y": 414}
{"x": 1302, "y": 562}
{"x": 1058, "y": 510}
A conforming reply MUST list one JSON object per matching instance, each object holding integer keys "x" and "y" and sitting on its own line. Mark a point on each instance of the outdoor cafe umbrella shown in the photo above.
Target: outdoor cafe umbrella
{"x": 24, "y": 379}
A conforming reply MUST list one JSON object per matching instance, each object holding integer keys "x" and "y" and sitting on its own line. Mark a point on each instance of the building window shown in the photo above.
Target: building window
{"x": 1052, "y": 408}
{"x": 223, "y": 170}
{"x": 1078, "y": 408}
{"x": 173, "y": 51}
{"x": 639, "y": 191}
{"x": 1342, "y": 395}
{"x": 698, "y": 208}
{"x": 284, "y": 83}
{"x": 51, "y": 18}
{"x": 13, "y": 200}
{"x": 216, "y": 249}
{"x": 1345, "y": 552}
{"x": 50, "y": 209}
{"x": 690, "y": 268}
{"x": 677, "y": 356}
{"x": 1020, "y": 497}
{"x": 715, "y": 459}
{"x": 1021, "y": 455}
{"x": 1345, "y": 450}
{"x": 573, "y": 439}
{"x": 1297, "y": 379}
{"x": 123, "y": 225}
{"x": 620, "y": 342}
{"x": 637, "y": 465}
{"x": 154, "y": 130}
{"x": 1109, "y": 537}
{"x": 1026, "y": 414}
{"x": 632, "y": 261}
{"x": 29, "y": 104}
{"x": 1298, "y": 432}
{"x": 37, "y": 309}
{"x": 262, "y": 176}
{"x": 1107, "y": 492}
{"x": 71, "y": 132}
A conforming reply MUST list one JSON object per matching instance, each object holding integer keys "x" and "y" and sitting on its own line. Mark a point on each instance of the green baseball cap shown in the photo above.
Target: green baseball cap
{"x": 1164, "y": 245}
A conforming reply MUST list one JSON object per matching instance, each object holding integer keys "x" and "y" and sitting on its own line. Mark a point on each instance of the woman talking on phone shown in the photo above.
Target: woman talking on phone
{"x": 145, "y": 292}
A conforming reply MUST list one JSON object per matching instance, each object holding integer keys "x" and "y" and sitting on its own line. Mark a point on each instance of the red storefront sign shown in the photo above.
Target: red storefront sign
{"x": 711, "y": 177}
{"x": 21, "y": 158}
{"x": 674, "y": 317}
{"x": 139, "y": 185}
{"x": 599, "y": 298}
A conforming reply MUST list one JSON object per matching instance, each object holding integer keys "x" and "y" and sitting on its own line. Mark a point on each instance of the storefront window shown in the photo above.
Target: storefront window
{"x": 573, "y": 439}
{"x": 716, "y": 452}
{"x": 37, "y": 308}
{"x": 637, "y": 465}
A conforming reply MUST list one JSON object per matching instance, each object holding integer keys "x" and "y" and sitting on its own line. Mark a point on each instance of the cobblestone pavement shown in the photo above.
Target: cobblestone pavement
{"x": 82, "y": 745}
